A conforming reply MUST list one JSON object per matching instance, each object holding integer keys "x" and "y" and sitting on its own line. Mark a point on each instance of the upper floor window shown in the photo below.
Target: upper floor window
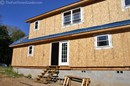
{"x": 72, "y": 16}
{"x": 36, "y": 25}
{"x": 126, "y": 3}
{"x": 30, "y": 50}
{"x": 103, "y": 41}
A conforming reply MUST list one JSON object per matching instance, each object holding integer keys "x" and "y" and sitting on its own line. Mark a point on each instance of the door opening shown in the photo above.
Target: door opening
{"x": 55, "y": 53}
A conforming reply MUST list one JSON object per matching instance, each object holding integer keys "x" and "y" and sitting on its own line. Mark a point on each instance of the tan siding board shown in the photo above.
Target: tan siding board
{"x": 113, "y": 9}
{"x": 88, "y": 16}
{"x": 96, "y": 14}
{"x": 128, "y": 36}
{"x": 108, "y": 57}
{"x": 90, "y": 51}
{"x": 118, "y": 52}
{"x": 125, "y": 47}
{"x": 73, "y": 55}
{"x": 58, "y": 23}
{"x": 104, "y": 12}
{"x": 82, "y": 52}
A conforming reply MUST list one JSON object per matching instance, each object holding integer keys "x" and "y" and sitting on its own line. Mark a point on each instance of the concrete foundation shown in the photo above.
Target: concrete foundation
{"x": 27, "y": 71}
{"x": 98, "y": 78}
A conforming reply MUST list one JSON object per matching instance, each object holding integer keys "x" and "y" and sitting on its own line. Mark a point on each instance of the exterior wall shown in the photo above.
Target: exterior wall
{"x": 83, "y": 52}
{"x": 100, "y": 13}
{"x": 40, "y": 57}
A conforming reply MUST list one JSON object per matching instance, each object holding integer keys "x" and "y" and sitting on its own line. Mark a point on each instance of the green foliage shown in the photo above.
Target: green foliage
{"x": 17, "y": 35}
{"x": 9, "y": 72}
{"x": 5, "y": 41}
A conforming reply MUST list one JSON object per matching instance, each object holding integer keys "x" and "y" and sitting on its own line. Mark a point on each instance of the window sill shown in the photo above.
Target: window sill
{"x": 65, "y": 26}
{"x": 105, "y": 47}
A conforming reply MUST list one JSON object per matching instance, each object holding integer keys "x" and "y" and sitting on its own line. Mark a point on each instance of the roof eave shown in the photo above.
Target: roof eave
{"x": 71, "y": 36}
{"x": 64, "y": 8}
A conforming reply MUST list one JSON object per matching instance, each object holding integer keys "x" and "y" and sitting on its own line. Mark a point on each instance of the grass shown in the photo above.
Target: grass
{"x": 8, "y": 71}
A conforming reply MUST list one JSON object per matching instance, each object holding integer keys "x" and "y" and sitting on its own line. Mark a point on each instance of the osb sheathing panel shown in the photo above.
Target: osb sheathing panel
{"x": 40, "y": 57}
{"x": 99, "y": 13}
{"x": 82, "y": 52}
{"x": 85, "y": 54}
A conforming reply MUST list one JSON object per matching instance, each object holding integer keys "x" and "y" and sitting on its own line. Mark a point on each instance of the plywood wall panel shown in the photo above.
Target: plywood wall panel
{"x": 113, "y": 9}
{"x": 96, "y": 14}
{"x": 82, "y": 52}
{"x": 104, "y": 12}
{"x": 73, "y": 54}
{"x": 128, "y": 44}
{"x": 125, "y": 47}
{"x": 90, "y": 51}
{"x": 118, "y": 51}
{"x": 88, "y": 16}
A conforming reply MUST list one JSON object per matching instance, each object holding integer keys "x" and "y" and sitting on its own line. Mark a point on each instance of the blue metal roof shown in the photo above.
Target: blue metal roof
{"x": 110, "y": 25}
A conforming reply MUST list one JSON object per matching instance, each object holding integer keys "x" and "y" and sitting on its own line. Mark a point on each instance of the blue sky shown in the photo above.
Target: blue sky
{"x": 15, "y": 12}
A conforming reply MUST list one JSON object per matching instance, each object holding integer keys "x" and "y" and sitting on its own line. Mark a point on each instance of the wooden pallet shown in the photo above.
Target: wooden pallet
{"x": 67, "y": 80}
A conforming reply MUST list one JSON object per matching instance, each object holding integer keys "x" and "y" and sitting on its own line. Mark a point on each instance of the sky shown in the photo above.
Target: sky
{"x": 15, "y": 12}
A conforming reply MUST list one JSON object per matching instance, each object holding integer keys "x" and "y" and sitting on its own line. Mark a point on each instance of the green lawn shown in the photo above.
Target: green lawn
{"x": 9, "y": 72}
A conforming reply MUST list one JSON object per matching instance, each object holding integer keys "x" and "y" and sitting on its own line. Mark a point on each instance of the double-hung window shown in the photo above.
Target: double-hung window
{"x": 103, "y": 41}
{"x": 126, "y": 3}
{"x": 36, "y": 25}
{"x": 30, "y": 50}
{"x": 72, "y": 16}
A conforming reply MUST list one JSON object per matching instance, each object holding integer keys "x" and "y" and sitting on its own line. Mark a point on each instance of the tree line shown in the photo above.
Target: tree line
{"x": 8, "y": 35}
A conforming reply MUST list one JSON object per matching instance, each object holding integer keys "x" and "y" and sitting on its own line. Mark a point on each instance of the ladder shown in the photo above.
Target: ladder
{"x": 49, "y": 75}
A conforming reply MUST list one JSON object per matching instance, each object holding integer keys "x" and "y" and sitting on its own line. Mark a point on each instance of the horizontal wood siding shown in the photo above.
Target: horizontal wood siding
{"x": 95, "y": 14}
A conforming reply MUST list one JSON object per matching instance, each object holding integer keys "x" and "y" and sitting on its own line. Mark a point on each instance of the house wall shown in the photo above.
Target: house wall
{"x": 99, "y": 13}
{"x": 81, "y": 51}
{"x": 40, "y": 57}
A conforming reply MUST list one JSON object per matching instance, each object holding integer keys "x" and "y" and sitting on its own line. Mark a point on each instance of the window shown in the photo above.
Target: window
{"x": 72, "y": 17}
{"x": 36, "y": 25}
{"x": 126, "y": 3}
{"x": 103, "y": 41}
{"x": 30, "y": 50}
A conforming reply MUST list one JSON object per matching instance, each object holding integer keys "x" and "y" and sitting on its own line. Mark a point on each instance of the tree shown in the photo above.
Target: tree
{"x": 5, "y": 41}
{"x": 17, "y": 35}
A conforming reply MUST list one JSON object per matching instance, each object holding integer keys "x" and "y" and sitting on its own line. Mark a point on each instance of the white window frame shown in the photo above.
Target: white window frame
{"x": 38, "y": 25}
{"x": 60, "y": 52}
{"x": 32, "y": 50}
{"x": 103, "y": 47}
{"x": 123, "y": 5}
{"x": 72, "y": 17}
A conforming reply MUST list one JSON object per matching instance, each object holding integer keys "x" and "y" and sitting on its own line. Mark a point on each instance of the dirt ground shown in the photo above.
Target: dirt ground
{"x": 22, "y": 81}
